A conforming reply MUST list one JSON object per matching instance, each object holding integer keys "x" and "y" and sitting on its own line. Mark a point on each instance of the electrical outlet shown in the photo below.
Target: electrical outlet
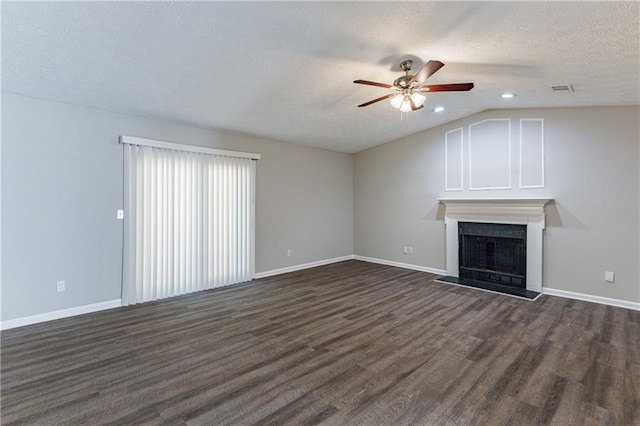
{"x": 608, "y": 276}
{"x": 405, "y": 250}
{"x": 288, "y": 253}
{"x": 120, "y": 214}
{"x": 61, "y": 286}
{"x": 410, "y": 250}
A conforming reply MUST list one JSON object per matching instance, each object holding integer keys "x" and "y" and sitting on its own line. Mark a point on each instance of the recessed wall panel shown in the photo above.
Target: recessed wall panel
{"x": 531, "y": 153}
{"x": 453, "y": 160}
{"x": 490, "y": 154}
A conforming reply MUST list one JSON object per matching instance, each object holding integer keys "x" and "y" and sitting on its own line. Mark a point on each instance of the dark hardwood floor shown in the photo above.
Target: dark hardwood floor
{"x": 348, "y": 343}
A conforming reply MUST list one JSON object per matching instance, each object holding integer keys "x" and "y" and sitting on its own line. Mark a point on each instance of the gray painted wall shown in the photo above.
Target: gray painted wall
{"x": 62, "y": 184}
{"x": 592, "y": 171}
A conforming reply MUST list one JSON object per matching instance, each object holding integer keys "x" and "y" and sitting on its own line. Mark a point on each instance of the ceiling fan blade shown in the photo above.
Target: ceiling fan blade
{"x": 381, "y": 98}
{"x": 373, "y": 83}
{"x": 426, "y": 71}
{"x": 456, "y": 87}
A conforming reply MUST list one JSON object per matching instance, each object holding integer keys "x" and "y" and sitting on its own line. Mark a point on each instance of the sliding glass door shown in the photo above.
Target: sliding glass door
{"x": 189, "y": 222}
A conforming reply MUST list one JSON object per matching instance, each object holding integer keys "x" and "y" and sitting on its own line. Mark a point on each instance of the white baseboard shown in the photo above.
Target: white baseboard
{"x": 589, "y": 298}
{"x": 401, "y": 265}
{"x": 301, "y": 267}
{"x": 63, "y": 313}
{"x": 78, "y": 310}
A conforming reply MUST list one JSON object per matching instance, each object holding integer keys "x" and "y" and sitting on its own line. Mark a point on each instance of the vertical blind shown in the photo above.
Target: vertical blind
{"x": 189, "y": 222}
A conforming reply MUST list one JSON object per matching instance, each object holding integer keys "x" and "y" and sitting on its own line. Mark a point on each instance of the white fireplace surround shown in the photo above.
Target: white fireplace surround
{"x": 518, "y": 211}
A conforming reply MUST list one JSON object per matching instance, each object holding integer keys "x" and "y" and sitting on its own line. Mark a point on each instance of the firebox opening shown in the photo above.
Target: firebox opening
{"x": 493, "y": 252}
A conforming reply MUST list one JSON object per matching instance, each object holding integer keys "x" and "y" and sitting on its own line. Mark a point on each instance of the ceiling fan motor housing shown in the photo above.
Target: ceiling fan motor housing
{"x": 403, "y": 82}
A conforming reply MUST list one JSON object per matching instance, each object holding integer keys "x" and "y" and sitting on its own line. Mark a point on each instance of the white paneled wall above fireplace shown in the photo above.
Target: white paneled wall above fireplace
{"x": 493, "y": 155}
{"x": 531, "y": 153}
{"x": 489, "y": 158}
{"x": 453, "y": 161}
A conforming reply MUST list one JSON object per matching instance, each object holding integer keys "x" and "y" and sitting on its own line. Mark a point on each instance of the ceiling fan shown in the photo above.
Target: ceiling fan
{"x": 408, "y": 90}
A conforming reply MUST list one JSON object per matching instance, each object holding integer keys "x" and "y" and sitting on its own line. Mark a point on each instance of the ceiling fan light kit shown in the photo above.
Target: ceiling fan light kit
{"x": 397, "y": 101}
{"x": 407, "y": 90}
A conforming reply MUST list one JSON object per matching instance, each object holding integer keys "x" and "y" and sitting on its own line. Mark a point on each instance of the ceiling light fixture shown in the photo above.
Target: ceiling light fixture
{"x": 403, "y": 100}
{"x": 507, "y": 95}
{"x": 396, "y": 101}
{"x": 408, "y": 98}
{"x": 406, "y": 104}
{"x": 438, "y": 109}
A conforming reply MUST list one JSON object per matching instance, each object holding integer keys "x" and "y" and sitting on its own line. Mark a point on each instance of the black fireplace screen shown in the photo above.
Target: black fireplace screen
{"x": 493, "y": 252}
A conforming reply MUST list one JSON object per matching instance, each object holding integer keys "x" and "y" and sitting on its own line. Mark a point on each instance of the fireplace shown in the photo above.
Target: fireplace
{"x": 522, "y": 237}
{"x": 493, "y": 252}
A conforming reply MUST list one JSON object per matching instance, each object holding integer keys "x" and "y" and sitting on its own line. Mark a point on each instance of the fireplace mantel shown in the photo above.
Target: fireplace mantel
{"x": 524, "y": 211}
{"x": 538, "y": 200}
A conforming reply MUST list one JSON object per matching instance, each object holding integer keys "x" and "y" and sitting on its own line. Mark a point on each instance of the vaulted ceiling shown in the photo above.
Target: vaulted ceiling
{"x": 285, "y": 70}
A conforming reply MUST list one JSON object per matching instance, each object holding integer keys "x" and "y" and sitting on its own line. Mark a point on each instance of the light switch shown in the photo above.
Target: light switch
{"x": 120, "y": 214}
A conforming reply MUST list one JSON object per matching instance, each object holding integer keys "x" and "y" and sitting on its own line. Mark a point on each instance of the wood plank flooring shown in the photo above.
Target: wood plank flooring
{"x": 350, "y": 343}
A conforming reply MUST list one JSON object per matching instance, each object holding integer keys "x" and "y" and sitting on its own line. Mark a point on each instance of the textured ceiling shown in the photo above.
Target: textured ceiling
{"x": 284, "y": 70}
